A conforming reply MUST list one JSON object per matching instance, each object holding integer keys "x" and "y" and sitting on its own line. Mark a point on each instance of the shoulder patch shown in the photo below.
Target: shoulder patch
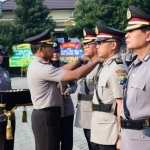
{"x": 122, "y": 76}
{"x": 118, "y": 61}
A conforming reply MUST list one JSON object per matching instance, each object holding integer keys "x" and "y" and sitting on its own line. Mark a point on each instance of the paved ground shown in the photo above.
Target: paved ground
{"x": 24, "y": 139}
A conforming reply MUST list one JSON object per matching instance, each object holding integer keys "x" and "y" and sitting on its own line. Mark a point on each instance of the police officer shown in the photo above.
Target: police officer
{"x": 5, "y": 84}
{"x": 108, "y": 89}
{"x": 128, "y": 57}
{"x": 135, "y": 112}
{"x": 84, "y": 112}
{"x": 67, "y": 118}
{"x": 46, "y": 95}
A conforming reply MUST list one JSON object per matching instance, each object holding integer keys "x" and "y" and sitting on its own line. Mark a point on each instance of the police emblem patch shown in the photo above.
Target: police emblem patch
{"x": 122, "y": 76}
{"x": 128, "y": 14}
{"x": 96, "y": 30}
{"x": 84, "y": 32}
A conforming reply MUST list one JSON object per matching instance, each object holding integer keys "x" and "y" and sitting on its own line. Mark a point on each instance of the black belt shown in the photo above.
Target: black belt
{"x": 84, "y": 97}
{"x": 134, "y": 124}
{"x": 102, "y": 107}
{"x": 49, "y": 109}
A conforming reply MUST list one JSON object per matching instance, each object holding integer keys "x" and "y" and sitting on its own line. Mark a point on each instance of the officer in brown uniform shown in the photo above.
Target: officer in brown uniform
{"x": 46, "y": 96}
{"x": 108, "y": 89}
{"x": 84, "y": 112}
{"x": 5, "y": 84}
{"x": 135, "y": 120}
{"x": 67, "y": 109}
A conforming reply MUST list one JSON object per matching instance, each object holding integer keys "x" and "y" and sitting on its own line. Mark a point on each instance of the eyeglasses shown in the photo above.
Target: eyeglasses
{"x": 87, "y": 45}
{"x": 102, "y": 42}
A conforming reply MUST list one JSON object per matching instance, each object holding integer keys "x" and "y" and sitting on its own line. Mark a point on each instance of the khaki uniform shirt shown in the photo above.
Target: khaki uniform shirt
{"x": 42, "y": 80}
{"x": 5, "y": 84}
{"x": 84, "y": 113}
{"x": 138, "y": 104}
{"x": 104, "y": 126}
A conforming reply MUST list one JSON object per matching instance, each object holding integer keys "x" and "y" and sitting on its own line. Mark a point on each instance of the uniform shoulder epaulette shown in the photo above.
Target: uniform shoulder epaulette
{"x": 118, "y": 61}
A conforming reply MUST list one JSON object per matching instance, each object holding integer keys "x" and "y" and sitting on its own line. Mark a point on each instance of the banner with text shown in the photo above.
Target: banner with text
{"x": 22, "y": 56}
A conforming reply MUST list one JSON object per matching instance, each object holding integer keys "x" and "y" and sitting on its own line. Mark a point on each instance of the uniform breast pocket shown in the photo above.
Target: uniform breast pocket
{"x": 102, "y": 87}
{"x": 140, "y": 92}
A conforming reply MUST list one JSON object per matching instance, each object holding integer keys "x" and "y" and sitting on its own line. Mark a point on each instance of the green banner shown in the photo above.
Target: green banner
{"x": 22, "y": 56}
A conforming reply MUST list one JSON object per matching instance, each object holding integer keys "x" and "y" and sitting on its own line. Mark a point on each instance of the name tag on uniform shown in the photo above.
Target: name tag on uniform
{"x": 0, "y": 81}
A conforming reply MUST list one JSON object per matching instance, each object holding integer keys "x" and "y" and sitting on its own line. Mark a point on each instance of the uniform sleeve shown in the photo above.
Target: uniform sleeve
{"x": 73, "y": 87}
{"x": 50, "y": 73}
{"x": 117, "y": 88}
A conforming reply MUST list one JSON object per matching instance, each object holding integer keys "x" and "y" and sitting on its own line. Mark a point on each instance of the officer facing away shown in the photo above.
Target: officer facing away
{"x": 45, "y": 94}
{"x": 5, "y": 84}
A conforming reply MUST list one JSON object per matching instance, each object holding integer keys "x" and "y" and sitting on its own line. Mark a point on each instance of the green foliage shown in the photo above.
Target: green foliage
{"x": 33, "y": 16}
{"x": 109, "y": 12}
{"x": 141, "y": 4}
{"x": 9, "y": 35}
{"x": 88, "y": 12}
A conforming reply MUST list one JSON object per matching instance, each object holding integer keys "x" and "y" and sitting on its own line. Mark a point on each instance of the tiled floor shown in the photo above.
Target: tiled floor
{"x": 24, "y": 139}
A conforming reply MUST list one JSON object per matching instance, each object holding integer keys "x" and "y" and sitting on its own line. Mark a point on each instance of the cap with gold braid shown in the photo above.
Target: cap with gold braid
{"x": 105, "y": 33}
{"x": 89, "y": 35}
{"x": 43, "y": 38}
{"x": 137, "y": 18}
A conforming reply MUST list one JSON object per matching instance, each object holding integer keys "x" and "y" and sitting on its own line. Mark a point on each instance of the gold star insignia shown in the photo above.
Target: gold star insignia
{"x": 84, "y": 32}
{"x": 128, "y": 14}
{"x": 96, "y": 30}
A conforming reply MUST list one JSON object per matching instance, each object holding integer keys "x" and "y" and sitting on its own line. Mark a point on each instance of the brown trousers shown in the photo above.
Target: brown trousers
{"x": 6, "y": 144}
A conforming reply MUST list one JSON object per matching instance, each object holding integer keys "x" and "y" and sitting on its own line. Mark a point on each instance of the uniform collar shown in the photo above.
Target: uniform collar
{"x": 145, "y": 60}
{"x": 39, "y": 59}
{"x": 109, "y": 62}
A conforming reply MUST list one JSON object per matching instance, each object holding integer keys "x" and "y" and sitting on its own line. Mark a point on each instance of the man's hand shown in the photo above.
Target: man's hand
{"x": 66, "y": 94}
{"x": 99, "y": 59}
{"x": 84, "y": 59}
{"x": 118, "y": 144}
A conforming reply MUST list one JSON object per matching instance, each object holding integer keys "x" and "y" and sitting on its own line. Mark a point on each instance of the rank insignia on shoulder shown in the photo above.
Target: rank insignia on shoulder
{"x": 122, "y": 76}
{"x": 118, "y": 61}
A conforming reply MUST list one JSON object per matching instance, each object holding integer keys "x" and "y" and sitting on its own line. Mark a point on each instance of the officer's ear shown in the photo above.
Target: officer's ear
{"x": 114, "y": 45}
{"x": 147, "y": 36}
{"x": 41, "y": 49}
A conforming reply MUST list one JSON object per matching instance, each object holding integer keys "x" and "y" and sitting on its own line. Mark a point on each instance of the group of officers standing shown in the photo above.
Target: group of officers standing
{"x": 113, "y": 102}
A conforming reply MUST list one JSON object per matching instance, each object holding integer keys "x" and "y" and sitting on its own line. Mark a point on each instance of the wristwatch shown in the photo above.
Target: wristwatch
{"x": 80, "y": 61}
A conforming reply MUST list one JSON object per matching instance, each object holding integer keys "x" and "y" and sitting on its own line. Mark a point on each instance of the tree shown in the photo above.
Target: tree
{"x": 141, "y": 4}
{"x": 9, "y": 35}
{"x": 33, "y": 17}
{"x": 88, "y": 12}
{"x": 109, "y": 12}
